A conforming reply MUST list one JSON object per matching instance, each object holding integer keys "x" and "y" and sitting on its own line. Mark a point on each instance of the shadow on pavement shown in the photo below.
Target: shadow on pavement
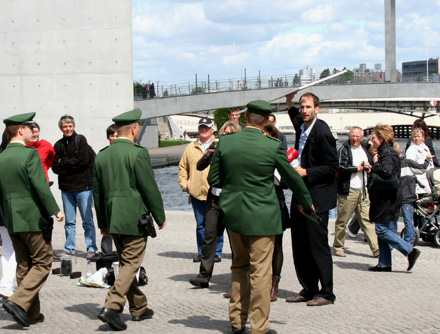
{"x": 189, "y": 255}
{"x": 204, "y": 322}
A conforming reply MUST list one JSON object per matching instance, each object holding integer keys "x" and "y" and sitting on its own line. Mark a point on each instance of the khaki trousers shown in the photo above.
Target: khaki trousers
{"x": 347, "y": 204}
{"x": 251, "y": 280}
{"x": 34, "y": 258}
{"x": 131, "y": 251}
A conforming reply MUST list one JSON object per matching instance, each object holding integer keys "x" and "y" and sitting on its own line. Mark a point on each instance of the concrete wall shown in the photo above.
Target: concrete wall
{"x": 66, "y": 57}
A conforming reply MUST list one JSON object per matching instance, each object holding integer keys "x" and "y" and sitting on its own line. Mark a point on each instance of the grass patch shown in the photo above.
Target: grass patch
{"x": 166, "y": 143}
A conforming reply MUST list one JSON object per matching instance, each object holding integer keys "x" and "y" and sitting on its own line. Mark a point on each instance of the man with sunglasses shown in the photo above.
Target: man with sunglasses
{"x": 73, "y": 163}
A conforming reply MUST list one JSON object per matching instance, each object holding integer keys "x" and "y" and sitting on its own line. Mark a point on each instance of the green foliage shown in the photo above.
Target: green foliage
{"x": 198, "y": 90}
{"x": 166, "y": 143}
{"x": 296, "y": 80}
{"x": 325, "y": 73}
{"x": 165, "y": 93}
{"x": 348, "y": 77}
{"x": 137, "y": 88}
{"x": 221, "y": 116}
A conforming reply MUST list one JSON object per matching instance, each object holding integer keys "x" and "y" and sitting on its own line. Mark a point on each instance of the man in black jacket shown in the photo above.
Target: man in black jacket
{"x": 354, "y": 163}
{"x": 318, "y": 162}
{"x": 72, "y": 163}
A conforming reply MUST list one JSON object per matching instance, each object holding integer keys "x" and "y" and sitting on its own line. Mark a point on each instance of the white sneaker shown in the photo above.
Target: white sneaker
{"x": 5, "y": 293}
{"x": 351, "y": 235}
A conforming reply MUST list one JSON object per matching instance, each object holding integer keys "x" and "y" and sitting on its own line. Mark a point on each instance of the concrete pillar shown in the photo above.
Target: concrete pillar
{"x": 390, "y": 41}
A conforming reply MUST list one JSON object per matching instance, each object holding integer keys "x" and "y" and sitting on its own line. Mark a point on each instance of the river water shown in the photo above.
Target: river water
{"x": 176, "y": 200}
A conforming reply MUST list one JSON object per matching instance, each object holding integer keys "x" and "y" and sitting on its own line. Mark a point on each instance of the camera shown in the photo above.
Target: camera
{"x": 146, "y": 222}
{"x": 367, "y": 169}
{"x": 213, "y": 146}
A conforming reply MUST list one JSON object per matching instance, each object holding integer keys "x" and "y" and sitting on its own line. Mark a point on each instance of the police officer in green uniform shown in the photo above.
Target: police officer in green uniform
{"x": 252, "y": 213}
{"x": 26, "y": 200}
{"x": 124, "y": 189}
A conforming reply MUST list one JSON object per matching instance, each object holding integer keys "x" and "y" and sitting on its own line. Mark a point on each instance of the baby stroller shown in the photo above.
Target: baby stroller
{"x": 427, "y": 211}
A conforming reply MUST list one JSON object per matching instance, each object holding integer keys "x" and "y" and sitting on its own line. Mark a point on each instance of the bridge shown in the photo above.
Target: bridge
{"x": 403, "y": 98}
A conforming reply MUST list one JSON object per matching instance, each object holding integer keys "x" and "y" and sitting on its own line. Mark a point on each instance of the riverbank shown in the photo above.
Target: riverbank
{"x": 166, "y": 156}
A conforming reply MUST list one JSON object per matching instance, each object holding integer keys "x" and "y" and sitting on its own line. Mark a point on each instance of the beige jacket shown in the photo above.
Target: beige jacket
{"x": 189, "y": 177}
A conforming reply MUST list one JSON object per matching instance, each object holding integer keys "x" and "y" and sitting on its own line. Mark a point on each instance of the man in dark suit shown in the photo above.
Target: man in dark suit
{"x": 124, "y": 190}
{"x": 26, "y": 202}
{"x": 318, "y": 162}
{"x": 252, "y": 213}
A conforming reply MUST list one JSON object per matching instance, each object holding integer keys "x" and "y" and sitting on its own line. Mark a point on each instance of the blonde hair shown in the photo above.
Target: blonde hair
{"x": 385, "y": 132}
{"x": 233, "y": 127}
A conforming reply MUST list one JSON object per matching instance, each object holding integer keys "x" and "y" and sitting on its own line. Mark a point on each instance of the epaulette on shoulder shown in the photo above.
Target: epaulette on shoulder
{"x": 102, "y": 149}
{"x": 276, "y": 139}
{"x": 140, "y": 146}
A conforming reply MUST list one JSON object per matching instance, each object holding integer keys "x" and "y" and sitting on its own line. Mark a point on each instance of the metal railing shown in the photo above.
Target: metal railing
{"x": 224, "y": 85}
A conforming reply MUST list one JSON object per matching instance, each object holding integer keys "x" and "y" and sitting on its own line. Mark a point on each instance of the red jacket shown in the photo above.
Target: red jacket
{"x": 46, "y": 152}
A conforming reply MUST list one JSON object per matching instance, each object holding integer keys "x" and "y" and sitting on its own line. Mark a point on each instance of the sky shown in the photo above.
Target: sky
{"x": 173, "y": 40}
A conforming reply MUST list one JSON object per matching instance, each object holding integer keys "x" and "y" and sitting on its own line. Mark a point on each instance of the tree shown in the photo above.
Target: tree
{"x": 296, "y": 80}
{"x": 221, "y": 116}
{"x": 165, "y": 93}
{"x": 348, "y": 77}
{"x": 198, "y": 90}
{"x": 325, "y": 73}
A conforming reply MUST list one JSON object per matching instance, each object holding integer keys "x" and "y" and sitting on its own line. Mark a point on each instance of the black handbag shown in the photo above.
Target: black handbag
{"x": 379, "y": 183}
{"x": 46, "y": 225}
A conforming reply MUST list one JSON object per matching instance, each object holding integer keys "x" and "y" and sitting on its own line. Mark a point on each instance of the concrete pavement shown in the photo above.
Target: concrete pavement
{"x": 367, "y": 302}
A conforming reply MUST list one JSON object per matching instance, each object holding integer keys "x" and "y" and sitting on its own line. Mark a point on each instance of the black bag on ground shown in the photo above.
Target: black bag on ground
{"x": 106, "y": 260}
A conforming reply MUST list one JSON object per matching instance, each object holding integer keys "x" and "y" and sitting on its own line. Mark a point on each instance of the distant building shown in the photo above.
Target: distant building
{"x": 362, "y": 67}
{"x": 378, "y": 67}
{"x": 414, "y": 71}
{"x": 308, "y": 75}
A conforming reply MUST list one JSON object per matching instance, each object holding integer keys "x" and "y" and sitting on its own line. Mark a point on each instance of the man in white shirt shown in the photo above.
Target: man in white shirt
{"x": 354, "y": 164}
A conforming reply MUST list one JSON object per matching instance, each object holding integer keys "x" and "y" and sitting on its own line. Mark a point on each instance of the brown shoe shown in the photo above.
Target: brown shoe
{"x": 376, "y": 253}
{"x": 340, "y": 253}
{"x": 319, "y": 301}
{"x": 274, "y": 290}
{"x": 297, "y": 299}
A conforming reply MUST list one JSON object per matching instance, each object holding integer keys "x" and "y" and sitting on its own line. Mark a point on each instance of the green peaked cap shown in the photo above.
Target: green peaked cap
{"x": 259, "y": 107}
{"x": 128, "y": 117}
{"x": 20, "y": 119}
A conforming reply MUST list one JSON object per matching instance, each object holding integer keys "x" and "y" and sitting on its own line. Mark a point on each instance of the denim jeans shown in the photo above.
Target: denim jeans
{"x": 84, "y": 201}
{"x": 199, "y": 213}
{"x": 387, "y": 237}
{"x": 408, "y": 219}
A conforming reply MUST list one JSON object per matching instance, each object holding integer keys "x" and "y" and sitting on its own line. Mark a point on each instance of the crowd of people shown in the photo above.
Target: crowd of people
{"x": 229, "y": 189}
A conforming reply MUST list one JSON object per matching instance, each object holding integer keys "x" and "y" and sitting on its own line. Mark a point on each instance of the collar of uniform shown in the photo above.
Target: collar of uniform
{"x": 17, "y": 142}
{"x": 253, "y": 128}
{"x": 123, "y": 140}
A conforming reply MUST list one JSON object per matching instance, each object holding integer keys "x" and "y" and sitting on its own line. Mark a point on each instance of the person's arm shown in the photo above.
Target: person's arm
{"x": 344, "y": 163}
{"x": 147, "y": 186}
{"x": 216, "y": 176}
{"x": 39, "y": 183}
{"x": 80, "y": 159}
{"x": 205, "y": 161}
{"x": 183, "y": 174}
{"x": 98, "y": 200}
{"x": 293, "y": 180}
{"x": 428, "y": 143}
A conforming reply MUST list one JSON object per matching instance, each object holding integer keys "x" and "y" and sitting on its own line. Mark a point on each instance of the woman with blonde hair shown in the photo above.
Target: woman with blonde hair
{"x": 385, "y": 199}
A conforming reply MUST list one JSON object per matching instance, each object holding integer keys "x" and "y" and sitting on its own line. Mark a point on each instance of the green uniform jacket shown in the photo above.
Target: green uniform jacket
{"x": 243, "y": 166}
{"x": 24, "y": 191}
{"x": 124, "y": 188}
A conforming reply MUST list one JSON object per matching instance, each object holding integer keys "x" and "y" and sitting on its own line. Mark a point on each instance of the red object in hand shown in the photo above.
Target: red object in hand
{"x": 292, "y": 154}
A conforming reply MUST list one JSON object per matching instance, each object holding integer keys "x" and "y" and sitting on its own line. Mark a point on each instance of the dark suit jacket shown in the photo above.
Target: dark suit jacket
{"x": 320, "y": 158}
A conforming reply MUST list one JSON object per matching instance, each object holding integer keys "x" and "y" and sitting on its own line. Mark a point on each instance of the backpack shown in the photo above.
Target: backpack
{"x": 92, "y": 153}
